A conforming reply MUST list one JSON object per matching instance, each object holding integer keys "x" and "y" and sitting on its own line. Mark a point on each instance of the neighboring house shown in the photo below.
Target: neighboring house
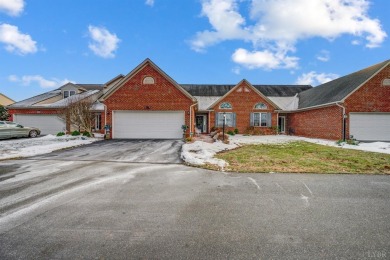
{"x": 147, "y": 103}
{"x": 42, "y": 111}
{"x": 5, "y": 101}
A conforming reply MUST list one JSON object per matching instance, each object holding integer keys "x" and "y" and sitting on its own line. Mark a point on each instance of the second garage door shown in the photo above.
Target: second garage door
{"x": 370, "y": 126}
{"x": 48, "y": 124}
{"x": 148, "y": 124}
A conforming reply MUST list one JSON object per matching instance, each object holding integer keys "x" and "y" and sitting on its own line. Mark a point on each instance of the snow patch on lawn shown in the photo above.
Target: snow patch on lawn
{"x": 200, "y": 153}
{"x": 25, "y": 147}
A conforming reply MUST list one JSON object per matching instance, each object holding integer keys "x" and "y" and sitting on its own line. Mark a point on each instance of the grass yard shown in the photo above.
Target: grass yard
{"x": 304, "y": 157}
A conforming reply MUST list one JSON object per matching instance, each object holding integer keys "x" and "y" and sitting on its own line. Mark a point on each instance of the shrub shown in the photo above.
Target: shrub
{"x": 75, "y": 133}
{"x": 60, "y": 133}
{"x": 189, "y": 139}
{"x": 236, "y": 131}
{"x": 213, "y": 129}
{"x": 230, "y": 132}
{"x": 87, "y": 134}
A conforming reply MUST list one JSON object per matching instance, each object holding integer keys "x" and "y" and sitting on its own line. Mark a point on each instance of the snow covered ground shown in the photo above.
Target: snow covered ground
{"x": 200, "y": 153}
{"x": 24, "y": 147}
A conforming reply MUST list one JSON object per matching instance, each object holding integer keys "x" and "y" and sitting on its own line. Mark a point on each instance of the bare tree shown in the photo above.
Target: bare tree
{"x": 78, "y": 113}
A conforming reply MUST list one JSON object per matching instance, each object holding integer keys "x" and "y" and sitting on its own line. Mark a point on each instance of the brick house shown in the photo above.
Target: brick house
{"x": 147, "y": 103}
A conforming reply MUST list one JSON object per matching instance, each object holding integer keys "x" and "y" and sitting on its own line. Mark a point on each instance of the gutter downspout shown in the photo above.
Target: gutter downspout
{"x": 105, "y": 119}
{"x": 343, "y": 121}
{"x": 191, "y": 117}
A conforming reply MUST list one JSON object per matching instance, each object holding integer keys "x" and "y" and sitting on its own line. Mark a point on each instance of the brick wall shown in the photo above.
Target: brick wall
{"x": 243, "y": 99}
{"x": 32, "y": 111}
{"x": 160, "y": 96}
{"x": 323, "y": 123}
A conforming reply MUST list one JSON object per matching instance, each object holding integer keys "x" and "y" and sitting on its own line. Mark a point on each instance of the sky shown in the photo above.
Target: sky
{"x": 45, "y": 44}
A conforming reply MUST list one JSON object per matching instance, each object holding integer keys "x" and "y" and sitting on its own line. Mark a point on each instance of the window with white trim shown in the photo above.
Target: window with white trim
{"x": 261, "y": 106}
{"x": 386, "y": 83}
{"x": 261, "y": 119}
{"x": 148, "y": 80}
{"x": 225, "y": 105}
{"x": 230, "y": 119}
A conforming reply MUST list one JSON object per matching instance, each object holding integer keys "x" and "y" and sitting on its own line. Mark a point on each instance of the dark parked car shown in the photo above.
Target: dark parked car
{"x": 10, "y": 129}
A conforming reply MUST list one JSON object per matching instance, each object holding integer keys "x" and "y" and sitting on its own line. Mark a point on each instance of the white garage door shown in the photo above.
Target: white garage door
{"x": 370, "y": 126}
{"x": 48, "y": 124}
{"x": 148, "y": 125}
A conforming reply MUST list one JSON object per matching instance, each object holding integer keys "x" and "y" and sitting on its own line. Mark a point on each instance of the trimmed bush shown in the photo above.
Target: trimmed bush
{"x": 75, "y": 133}
{"x": 87, "y": 134}
{"x": 60, "y": 133}
{"x": 236, "y": 131}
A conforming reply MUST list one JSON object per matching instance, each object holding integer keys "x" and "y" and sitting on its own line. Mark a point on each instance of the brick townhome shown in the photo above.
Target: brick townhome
{"x": 147, "y": 103}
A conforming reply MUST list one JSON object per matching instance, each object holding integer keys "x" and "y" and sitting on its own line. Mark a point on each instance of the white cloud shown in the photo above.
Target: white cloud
{"x": 323, "y": 56}
{"x": 276, "y": 25}
{"x": 226, "y": 21}
{"x": 15, "y": 41}
{"x": 264, "y": 59}
{"x": 104, "y": 43}
{"x": 314, "y": 78}
{"x": 28, "y": 80}
{"x": 149, "y": 2}
{"x": 12, "y": 7}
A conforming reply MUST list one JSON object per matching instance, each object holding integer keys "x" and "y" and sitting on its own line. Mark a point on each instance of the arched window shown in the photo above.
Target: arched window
{"x": 386, "y": 82}
{"x": 148, "y": 80}
{"x": 225, "y": 105}
{"x": 260, "y": 106}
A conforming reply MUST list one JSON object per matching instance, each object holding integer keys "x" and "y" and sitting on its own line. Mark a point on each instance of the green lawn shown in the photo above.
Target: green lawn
{"x": 304, "y": 157}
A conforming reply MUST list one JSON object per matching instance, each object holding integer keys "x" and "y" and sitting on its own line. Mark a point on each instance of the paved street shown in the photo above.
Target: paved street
{"x": 137, "y": 204}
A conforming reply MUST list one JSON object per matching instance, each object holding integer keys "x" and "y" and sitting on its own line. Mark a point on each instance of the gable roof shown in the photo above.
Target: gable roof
{"x": 214, "y": 90}
{"x": 135, "y": 71}
{"x": 250, "y": 86}
{"x": 339, "y": 89}
{"x": 5, "y": 101}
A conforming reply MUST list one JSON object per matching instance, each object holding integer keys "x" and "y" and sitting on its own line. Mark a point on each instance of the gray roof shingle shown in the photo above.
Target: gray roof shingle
{"x": 266, "y": 90}
{"x": 336, "y": 90}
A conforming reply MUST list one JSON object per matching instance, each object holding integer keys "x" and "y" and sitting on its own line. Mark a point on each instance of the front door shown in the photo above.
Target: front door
{"x": 282, "y": 124}
{"x": 201, "y": 123}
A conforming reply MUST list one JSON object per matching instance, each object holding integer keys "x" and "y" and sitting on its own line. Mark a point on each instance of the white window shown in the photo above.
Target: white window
{"x": 148, "y": 80}
{"x": 261, "y": 119}
{"x": 386, "y": 82}
{"x": 68, "y": 93}
{"x": 230, "y": 119}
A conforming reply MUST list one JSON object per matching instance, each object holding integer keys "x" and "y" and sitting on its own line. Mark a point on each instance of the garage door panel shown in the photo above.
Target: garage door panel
{"x": 48, "y": 124}
{"x": 370, "y": 126}
{"x": 148, "y": 125}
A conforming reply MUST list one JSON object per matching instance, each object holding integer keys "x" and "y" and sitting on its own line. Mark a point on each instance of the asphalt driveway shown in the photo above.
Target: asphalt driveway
{"x": 64, "y": 207}
{"x": 126, "y": 150}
